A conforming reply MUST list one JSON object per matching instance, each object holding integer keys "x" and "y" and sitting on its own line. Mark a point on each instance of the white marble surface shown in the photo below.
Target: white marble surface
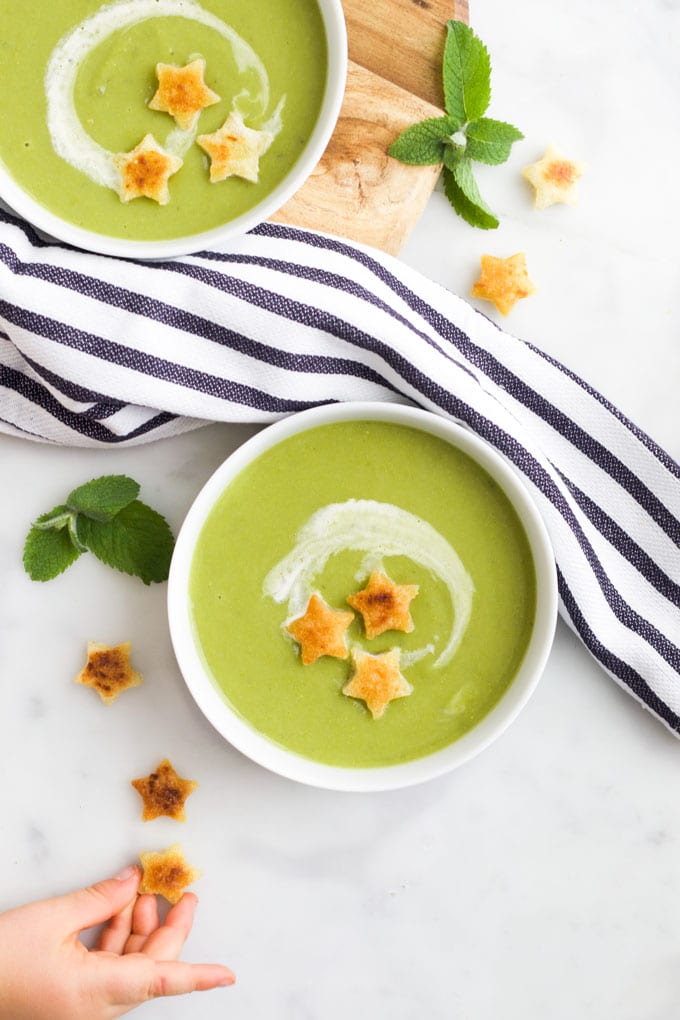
{"x": 539, "y": 881}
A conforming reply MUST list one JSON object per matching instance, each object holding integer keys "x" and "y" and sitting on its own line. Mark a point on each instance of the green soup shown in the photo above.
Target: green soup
{"x": 439, "y": 509}
{"x": 266, "y": 59}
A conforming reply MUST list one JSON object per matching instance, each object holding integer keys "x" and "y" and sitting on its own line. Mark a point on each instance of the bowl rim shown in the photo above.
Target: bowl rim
{"x": 20, "y": 201}
{"x": 290, "y": 764}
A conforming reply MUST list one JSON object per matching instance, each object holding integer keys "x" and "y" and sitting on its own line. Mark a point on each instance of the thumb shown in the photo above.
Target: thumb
{"x": 87, "y": 907}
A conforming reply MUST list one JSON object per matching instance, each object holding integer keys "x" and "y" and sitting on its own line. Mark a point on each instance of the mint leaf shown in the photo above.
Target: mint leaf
{"x": 103, "y": 498}
{"x": 423, "y": 144}
{"x": 136, "y": 541}
{"x": 462, "y": 192}
{"x": 467, "y": 73}
{"x": 490, "y": 141}
{"x": 48, "y": 553}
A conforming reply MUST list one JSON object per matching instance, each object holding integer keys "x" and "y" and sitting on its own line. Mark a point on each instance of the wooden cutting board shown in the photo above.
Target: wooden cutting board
{"x": 394, "y": 79}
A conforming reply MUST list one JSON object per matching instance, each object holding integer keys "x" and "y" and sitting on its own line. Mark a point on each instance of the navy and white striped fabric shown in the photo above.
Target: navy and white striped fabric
{"x": 96, "y": 351}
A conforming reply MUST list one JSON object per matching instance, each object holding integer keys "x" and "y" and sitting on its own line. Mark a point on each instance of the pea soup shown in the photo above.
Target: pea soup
{"x": 76, "y": 78}
{"x": 318, "y": 514}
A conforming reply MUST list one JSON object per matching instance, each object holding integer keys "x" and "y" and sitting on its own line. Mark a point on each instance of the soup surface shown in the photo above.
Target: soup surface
{"x": 76, "y": 77}
{"x": 319, "y": 512}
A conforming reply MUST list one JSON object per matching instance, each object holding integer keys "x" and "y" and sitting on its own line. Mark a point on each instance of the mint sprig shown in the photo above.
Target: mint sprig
{"x": 464, "y": 134}
{"x": 104, "y": 517}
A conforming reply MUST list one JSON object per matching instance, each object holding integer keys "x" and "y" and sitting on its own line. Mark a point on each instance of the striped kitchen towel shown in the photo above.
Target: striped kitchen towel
{"x": 97, "y": 351}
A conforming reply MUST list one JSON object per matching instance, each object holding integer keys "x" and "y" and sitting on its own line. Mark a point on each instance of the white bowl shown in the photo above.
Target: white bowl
{"x": 26, "y": 206}
{"x": 288, "y": 763}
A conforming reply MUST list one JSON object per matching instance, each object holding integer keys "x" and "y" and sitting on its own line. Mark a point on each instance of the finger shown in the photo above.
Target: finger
{"x": 167, "y": 941}
{"x": 116, "y": 933}
{"x": 144, "y": 921}
{"x": 87, "y": 907}
{"x": 174, "y": 978}
{"x": 145, "y": 917}
{"x": 136, "y": 979}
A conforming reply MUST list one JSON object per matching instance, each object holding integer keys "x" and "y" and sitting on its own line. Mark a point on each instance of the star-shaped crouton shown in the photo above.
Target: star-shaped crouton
{"x": 145, "y": 171}
{"x": 503, "y": 281}
{"x": 377, "y": 680}
{"x": 235, "y": 149}
{"x": 554, "y": 178}
{"x": 384, "y": 605}
{"x": 182, "y": 92}
{"x": 166, "y": 873}
{"x": 164, "y": 793}
{"x": 321, "y": 631}
{"x": 108, "y": 670}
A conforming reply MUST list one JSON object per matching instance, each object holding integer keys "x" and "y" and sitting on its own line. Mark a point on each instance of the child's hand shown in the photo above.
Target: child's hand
{"x": 46, "y": 973}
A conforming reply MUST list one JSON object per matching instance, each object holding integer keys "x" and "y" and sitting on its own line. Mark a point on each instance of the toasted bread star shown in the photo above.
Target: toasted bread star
{"x": 235, "y": 149}
{"x": 503, "y": 281}
{"x": 145, "y": 171}
{"x": 554, "y": 178}
{"x": 182, "y": 92}
{"x": 377, "y": 680}
{"x": 164, "y": 793}
{"x": 321, "y": 631}
{"x": 166, "y": 873}
{"x": 108, "y": 670}
{"x": 384, "y": 605}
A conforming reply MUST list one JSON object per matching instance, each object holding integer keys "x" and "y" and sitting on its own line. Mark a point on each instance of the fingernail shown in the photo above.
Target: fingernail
{"x": 225, "y": 982}
{"x": 126, "y": 873}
